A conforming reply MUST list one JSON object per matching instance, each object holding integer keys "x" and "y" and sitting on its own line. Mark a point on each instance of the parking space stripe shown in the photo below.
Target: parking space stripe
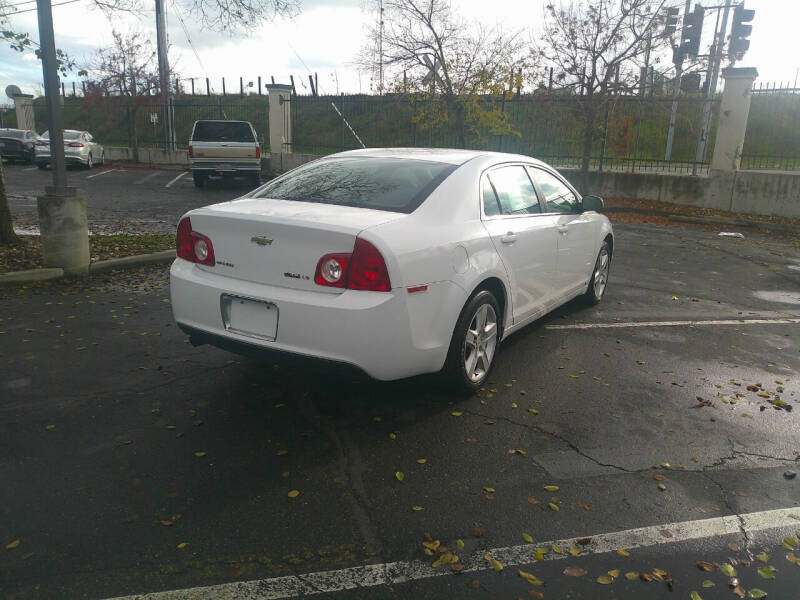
{"x": 30, "y": 169}
{"x": 326, "y": 582}
{"x": 675, "y": 323}
{"x": 146, "y": 177}
{"x": 176, "y": 179}
{"x": 100, "y": 173}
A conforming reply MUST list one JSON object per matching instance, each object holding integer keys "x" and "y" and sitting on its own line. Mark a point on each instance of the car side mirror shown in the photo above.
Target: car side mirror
{"x": 591, "y": 202}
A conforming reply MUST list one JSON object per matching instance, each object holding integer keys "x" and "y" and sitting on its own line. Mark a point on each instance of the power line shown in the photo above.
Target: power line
{"x": 27, "y": 10}
{"x": 189, "y": 39}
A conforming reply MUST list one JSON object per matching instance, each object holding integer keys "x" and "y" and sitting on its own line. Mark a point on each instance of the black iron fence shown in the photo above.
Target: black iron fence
{"x": 629, "y": 133}
{"x": 772, "y": 140}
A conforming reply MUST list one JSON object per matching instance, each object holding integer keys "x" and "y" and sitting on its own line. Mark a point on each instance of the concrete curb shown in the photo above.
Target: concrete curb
{"x": 101, "y": 266}
{"x": 30, "y": 275}
{"x": 735, "y": 223}
{"x": 128, "y": 262}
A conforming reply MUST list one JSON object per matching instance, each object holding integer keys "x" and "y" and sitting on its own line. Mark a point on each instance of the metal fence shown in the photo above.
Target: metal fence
{"x": 772, "y": 140}
{"x": 630, "y": 133}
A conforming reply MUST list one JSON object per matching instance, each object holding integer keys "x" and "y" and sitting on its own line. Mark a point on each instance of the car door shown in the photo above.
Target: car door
{"x": 575, "y": 231}
{"x": 512, "y": 214}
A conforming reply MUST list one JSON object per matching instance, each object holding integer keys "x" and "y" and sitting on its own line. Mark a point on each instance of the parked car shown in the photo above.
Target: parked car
{"x": 398, "y": 261}
{"x": 224, "y": 148}
{"x": 80, "y": 148}
{"x": 18, "y": 145}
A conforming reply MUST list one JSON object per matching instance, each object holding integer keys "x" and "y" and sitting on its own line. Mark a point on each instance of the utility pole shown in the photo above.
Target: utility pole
{"x": 380, "y": 52}
{"x": 673, "y": 115}
{"x": 715, "y": 61}
{"x": 163, "y": 72}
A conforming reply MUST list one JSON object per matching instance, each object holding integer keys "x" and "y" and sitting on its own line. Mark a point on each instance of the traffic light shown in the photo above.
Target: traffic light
{"x": 692, "y": 30}
{"x": 671, "y": 25}
{"x": 740, "y": 32}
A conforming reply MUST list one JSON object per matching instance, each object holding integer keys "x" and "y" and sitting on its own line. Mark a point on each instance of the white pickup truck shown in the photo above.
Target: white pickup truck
{"x": 224, "y": 148}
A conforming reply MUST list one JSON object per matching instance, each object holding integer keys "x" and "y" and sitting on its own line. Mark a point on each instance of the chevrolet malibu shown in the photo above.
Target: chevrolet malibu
{"x": 397, "y": 261}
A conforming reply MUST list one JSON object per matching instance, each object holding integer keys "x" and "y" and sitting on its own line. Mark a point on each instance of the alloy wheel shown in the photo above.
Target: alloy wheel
{"x": 601, "y": 273}
{"x": 480, "y": 343}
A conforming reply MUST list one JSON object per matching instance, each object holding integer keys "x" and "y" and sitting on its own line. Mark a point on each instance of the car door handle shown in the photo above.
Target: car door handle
{"x": 563, "y": 228}
{"x": 509, "y": 238}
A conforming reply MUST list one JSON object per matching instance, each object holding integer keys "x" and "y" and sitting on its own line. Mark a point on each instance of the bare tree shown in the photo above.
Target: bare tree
{"x": 595, "y": 48}
{"x": 455, "y": 65}
{"x": 128, "y": 68}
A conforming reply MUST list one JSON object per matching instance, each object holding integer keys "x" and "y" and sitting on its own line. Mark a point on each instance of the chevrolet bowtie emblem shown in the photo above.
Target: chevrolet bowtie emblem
{"x": 261, "y": 240}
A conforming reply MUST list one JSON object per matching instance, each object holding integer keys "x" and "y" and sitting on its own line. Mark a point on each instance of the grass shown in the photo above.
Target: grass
{"x": 28, "y": 253}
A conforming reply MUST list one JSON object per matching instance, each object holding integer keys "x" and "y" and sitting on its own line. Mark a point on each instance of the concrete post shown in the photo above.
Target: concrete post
{"x": 24, "y": 109}
{"x": 732, "y": 122}
{"x": 64, "y": 231}
{"x": 280, "y": 118}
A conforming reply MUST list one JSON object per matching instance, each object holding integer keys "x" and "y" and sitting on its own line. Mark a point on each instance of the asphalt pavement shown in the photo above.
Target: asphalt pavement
{"x": 132, "y": 462}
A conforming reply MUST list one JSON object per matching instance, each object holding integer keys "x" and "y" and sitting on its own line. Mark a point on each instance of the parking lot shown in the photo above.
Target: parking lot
{"x": 132, "y": 462}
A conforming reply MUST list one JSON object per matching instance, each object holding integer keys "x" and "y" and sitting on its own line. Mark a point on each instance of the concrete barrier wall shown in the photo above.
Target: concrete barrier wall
{"x": 150, "y": 156}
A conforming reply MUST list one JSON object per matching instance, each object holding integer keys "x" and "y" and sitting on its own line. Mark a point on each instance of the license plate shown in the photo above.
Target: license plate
{"x": 253, "y": 318}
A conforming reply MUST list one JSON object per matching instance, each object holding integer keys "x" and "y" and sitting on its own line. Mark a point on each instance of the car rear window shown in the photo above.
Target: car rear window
{"x": 17, "y": 134}
{"x": 68, "y": 135}
{"x": 391, "y": 184}
{"x": 222, "y": 131}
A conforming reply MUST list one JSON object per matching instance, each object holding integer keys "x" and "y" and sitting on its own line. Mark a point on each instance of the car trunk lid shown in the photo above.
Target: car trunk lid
{"x": 279, "y": 242}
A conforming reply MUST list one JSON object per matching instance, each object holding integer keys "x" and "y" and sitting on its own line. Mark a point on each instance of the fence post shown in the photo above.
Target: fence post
{"x": 732, "y": 121}
{"x": 259, "y": 85}
{"x": 192, "y": 80}
{"x": 342, "y": 103}
{"x": 280, "y": 118}
{"x": 83, "y": 84}
{"x": 605, "y": 138}
{"x": 241, "y": 87}
{"x": 503, "y": 111}
{"x": 414, "y": 122}
{"x": 223, "y": 86}
{"x": 208, "y": 87}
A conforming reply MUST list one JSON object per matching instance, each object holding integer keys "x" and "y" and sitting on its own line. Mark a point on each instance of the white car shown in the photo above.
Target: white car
{"x": 397, "y": 261}
{"x": 80, "y": 148}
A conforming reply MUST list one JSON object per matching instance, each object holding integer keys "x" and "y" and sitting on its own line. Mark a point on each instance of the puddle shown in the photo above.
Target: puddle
{"x": 778, "y": 296}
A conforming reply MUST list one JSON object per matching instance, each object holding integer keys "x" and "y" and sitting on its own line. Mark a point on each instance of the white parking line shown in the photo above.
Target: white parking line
{"x": 146, "y": 177}
{"x": 674, "y": 323}
{"x": 326, "y": 582}
{"x": 30, "y": 169}
{"x": 100, "y": 173}
{"x": 176, "y": 179}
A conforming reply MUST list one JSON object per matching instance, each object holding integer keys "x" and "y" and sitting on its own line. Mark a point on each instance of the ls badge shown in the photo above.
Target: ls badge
{"x": 261, "y": 240}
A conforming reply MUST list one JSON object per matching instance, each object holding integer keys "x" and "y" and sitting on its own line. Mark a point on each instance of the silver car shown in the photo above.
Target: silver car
{"x": 80, "y": 148}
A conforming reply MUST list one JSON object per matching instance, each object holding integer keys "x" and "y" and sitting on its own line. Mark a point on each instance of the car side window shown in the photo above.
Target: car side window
{"x": 515, "y": 192}
{"x": 557, "y": 196}
{"x": 490, "y": 204}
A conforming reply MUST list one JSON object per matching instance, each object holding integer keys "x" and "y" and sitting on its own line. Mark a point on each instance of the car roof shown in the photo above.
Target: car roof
{"x": 445, "y": 155}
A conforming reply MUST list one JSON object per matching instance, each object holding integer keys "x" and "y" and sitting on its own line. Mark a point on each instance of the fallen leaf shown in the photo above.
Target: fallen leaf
{"x": 631, "y": 575}
{"x": 708, "y": 583}
{"x": 478, "y": 531}
{"x": 182, "y": 545}
{"x": 557, "y": 549}
{"x": 497, "y": 565}
{"x": 756, "y": 593}
{"x": 574, "y": 551}
{"x": 734, "y": 547}
{"x": 605, "y": 580}
{"x": 613, "y": 573}
{"x": 417, "y": 508}
{"x": 706, "y": 566}
{"x": 767, "y": 572}
{"x": 762, "y": 557}
{"x": 791, "y": 541}
{"x": 739, "y": 591}
{"x": 553, "y": 506}
{"x": 392, "y": 436}
{"x": 456, "y": 413}
{"x": 622, "y": 552}
{"x": 293, "y": 494}
{"x": 422, "y": 461}
{"x": 12, "y": 545}
{"x": 456, "y": 567}
{"x": 49, "y": 427}
{"x": 551, "y": 488}
{"x": 533, "y": 500}
{"x": 529, "y": 577}
{"x": 536, "y": 594}
{"x": 575, "y": 572}
{"x": 665, "y": 465}
{"x": 200, "y": 454}
{"x": 282, "y": 452}
{"x": 727, "y": 569}
{"x": 166, "y": 523}
{"x": 659, "y": 477}
{"x": 695, "y": 596}
{"x": 527, "y": 538}
{"x": 662, "y": 487}
{"x": 646, "y": 577}
{"x": 460, "y": 544}
{"x": 399, "y": 475}
{"x": 539, "y": 553}
{"x": 533, "y": 411}
{"x": 489, "y": 490}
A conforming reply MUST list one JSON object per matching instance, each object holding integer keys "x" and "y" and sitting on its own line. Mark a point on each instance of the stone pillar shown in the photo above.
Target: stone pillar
{"x": 64, "y": 231}
{"x": 732, "y": 122}
{"x": 280, "y": 118}
{"x": 24, "y": 109}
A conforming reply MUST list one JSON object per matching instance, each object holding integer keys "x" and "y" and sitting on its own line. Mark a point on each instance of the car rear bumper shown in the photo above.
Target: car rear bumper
{"x": 387, "y": 335}
{"x": 15, "y": 154}
{"x": 223, "y": 167}
{"x": 68, "y": 159}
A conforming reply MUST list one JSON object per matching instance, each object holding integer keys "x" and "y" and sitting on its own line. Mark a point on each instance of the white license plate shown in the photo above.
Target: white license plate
{"x": 246, "y": 316}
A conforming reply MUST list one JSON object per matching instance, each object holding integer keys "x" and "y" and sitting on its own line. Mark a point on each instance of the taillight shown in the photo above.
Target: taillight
{"x": 75, "y": 145}
{"x": 363, "y": 269}
{"x": 192, "y": 246}
{"x": 258, "y": 151}
{"x": 42, "y": 144}
{"x": 19, "y": 143}
{"x": 191, "y": 151}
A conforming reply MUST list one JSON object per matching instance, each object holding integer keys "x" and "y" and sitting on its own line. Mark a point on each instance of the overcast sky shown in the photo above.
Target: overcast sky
{"x": 325, "y": 38}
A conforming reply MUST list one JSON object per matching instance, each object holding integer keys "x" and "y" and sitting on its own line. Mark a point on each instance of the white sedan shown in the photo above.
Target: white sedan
{"x": 397, "y": 261}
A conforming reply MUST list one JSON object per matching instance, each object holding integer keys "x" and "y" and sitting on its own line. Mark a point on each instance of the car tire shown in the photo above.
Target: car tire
{"x": 89, "y": 162}
{"x": 199, "y": 179}
{"x": 470, "y": 360}
{"x": 599, "y": 279}
{"x": 103, "y": 158}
